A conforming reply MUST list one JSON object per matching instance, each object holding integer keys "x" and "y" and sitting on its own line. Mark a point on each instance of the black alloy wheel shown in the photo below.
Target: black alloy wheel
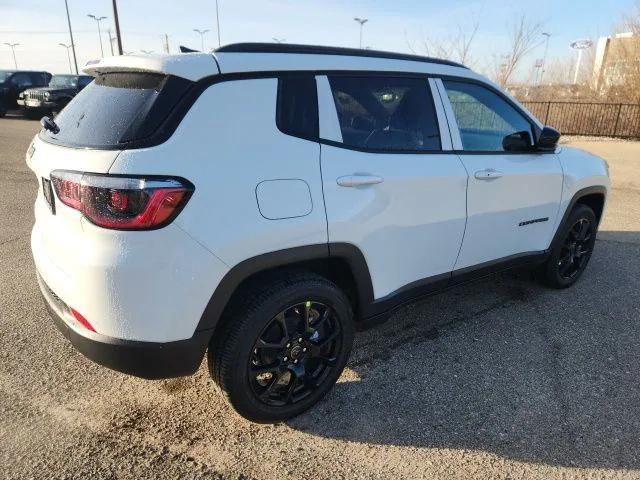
{"x": 572, "y": 250}
{"x": 295, "y": 353}
{"x": 282, "y": 345}
{"x": 576, "y": 249}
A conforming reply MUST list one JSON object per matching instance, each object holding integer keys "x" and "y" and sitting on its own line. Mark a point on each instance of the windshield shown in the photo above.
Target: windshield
{"x": 64, "y": 81}
{"x": 117, "y": 108}
{"x": 4, "y": 76}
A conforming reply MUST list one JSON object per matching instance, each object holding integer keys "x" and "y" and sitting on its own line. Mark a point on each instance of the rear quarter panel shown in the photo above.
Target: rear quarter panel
{"x": 227, "y": 144}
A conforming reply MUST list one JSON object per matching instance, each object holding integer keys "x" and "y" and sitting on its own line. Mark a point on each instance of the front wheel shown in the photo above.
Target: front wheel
{"x": 571, "y": 253}
{"x": 283, "y": 347}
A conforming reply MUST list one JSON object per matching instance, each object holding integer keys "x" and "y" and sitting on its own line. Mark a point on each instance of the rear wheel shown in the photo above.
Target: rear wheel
{"x": 571, "y": 254}
{"x": 282, "y": 349}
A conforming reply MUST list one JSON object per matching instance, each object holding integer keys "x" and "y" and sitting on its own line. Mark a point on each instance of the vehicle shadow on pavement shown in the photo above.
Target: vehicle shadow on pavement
{"x": 505, "y": 366}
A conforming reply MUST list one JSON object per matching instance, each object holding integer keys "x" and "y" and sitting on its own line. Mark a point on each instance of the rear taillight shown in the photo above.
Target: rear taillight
{"x": 122, "y": 203}
{"x": 81, "y": 320}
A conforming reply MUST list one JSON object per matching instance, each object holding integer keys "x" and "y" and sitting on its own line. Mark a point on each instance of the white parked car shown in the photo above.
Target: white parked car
{"x": 261, "y": 202}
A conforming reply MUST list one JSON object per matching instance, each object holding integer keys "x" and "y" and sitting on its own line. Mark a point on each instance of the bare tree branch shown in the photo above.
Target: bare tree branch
{"x": 620, "y": 71}
{"x": 463, "y": 41}
{"x": 409, "y": 44}
{"x": 524, "y": 37}
{"x": 456, "y": 47}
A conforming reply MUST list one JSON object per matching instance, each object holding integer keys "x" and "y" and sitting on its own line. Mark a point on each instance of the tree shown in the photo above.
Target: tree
{"x": 456, "y": 47}
{"x": 524, "y": 37}
{"x": 622, "y": 64}
{"x": 631, "y": 21}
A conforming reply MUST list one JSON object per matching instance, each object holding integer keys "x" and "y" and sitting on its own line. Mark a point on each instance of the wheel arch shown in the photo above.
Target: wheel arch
{"x": 595, "y": 201}
{"x": 342, "y": 263}
{"x": 594, "y": 197}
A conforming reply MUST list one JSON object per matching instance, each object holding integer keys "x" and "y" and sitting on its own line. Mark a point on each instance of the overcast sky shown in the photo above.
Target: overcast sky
{"x": 40, "y": 25}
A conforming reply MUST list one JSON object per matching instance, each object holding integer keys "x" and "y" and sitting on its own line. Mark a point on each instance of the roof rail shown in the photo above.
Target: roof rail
{"x": 321, "y": 50}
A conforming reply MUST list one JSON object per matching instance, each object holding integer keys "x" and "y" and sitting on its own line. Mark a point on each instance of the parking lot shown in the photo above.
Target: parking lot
{"x": 499, "y": 379}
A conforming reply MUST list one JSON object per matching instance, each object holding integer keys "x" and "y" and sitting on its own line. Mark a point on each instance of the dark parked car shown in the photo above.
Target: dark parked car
{"x": 14, "y": 82}
{"x": 53, "y": 98}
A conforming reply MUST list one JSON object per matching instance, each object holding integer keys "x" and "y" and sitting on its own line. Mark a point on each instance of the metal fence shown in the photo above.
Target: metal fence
{"x": 583, "y": 118}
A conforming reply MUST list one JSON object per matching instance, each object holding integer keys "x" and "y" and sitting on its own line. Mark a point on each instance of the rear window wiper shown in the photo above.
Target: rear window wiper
{"x": 48, "y": 124}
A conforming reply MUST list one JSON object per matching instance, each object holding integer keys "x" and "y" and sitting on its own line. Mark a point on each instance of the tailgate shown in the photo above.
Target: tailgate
{"x": 44, "y": 157}
{"x": 57, "y": 238}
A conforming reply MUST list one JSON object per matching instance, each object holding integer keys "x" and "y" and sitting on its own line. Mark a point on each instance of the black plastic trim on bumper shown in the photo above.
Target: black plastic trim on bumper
{"x": 148, "y": 360}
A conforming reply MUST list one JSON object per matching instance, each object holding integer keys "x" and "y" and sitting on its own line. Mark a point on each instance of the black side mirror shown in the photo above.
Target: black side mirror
{"x": 517, "y": 142}
{"x": 548, "y": 140}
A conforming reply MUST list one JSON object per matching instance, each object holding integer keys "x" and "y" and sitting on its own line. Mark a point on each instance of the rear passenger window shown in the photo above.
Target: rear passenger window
{"x": 297, "y": 111}
{"x": 386, "y": 113}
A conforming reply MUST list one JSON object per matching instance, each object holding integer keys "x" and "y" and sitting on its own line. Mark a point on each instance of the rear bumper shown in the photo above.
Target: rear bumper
{"x": 135, "y": 286}
{"x": 150, "y": 360}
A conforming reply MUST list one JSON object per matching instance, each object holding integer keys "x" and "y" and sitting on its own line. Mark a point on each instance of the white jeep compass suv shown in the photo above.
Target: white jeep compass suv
{"x": 261, "y": 202}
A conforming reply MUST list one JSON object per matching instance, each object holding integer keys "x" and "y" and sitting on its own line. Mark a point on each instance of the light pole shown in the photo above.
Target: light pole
{"x": 580, "y": 45}
{"x": 13, "y": 49}
{"x": 73, "y": 46}
{"x": 544, "y": 58}
{"x": 98, "y": 20}
{"x": 361, "y": 21}
{"x": 67, "y": 47}
{"x": 537, "y": 70}
{"x": 111, "y": 40}
{"x": 117, "y": 22}
{"x": 218, "y": 23}
{"x": 279, "y": 40}
{"x": 201, "y": 32}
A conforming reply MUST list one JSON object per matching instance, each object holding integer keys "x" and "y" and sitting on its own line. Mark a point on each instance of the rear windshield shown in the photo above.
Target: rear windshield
{"x": 117, "y": 109}
{"x": 64, "y": 81}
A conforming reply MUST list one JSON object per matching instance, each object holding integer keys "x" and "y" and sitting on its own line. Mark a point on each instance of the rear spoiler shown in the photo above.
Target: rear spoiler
{"x": 192, "y": 66}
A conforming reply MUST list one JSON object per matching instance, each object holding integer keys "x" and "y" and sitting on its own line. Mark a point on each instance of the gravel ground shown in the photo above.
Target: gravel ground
{"x": 499, "y": 379}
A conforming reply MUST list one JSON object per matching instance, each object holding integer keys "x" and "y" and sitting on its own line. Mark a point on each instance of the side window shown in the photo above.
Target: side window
{"x": 21, "y": 80}
{"x": 297, "y": 110}
{"x": 484, "y": 117}
{"x": 386, "y": 113}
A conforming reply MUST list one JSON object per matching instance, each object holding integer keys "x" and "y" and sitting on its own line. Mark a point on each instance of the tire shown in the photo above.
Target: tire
{"x": 298, "y": 328}
{"x": 571, "y": 252}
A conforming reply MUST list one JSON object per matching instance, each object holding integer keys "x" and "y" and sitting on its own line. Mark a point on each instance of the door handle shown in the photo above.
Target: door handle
{"x": 488, "y": 174}
{"x": 358, "y": 180}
